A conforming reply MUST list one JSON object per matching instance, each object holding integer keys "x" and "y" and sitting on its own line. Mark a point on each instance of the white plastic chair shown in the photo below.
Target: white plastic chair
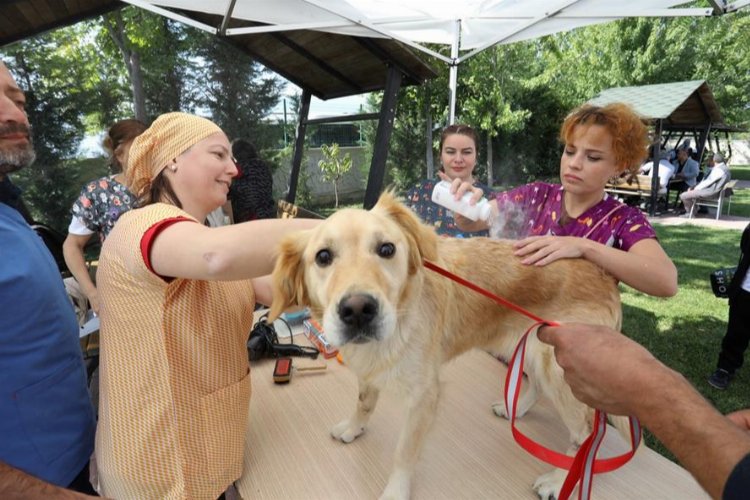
{"x": 717, "y": 200}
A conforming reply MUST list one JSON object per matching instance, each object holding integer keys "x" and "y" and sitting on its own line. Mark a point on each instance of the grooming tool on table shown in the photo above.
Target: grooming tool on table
{"x": 282, "y": 371}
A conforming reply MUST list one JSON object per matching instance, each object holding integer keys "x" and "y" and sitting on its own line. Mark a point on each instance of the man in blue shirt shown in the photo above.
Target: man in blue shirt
{"x": 686, "y": 171}
{"x": 46, "y": 418}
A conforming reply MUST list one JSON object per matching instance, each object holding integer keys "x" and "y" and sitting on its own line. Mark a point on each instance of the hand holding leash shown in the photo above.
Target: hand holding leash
{"x": 593, "y": 358}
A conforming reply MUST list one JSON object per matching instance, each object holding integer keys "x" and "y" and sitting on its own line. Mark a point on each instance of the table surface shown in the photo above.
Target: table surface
{"x": 469, "y": 453}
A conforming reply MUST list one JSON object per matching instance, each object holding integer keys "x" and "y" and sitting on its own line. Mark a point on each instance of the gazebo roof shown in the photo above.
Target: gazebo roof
{"x": 328, "y": 65}
{"x": 681, "y": 105}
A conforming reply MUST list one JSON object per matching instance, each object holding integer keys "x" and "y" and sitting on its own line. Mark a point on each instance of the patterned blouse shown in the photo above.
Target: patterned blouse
{"x": 419, "y": 199}
{"x": 101, "y": 203}
{"x": 535, "y": 209}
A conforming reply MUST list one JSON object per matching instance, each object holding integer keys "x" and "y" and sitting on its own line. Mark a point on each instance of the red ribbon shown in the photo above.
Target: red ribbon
{"x": 584, "y": 465}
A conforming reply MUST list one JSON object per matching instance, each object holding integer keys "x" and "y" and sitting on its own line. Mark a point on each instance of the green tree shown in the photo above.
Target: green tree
{"x": 237, "y": 91}
{"x": 334, "y": 166}
{"x": 153, "y": 57}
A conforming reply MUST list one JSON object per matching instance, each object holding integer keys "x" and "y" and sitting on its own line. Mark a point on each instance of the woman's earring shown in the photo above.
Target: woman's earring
{"x": 173, "y": 168}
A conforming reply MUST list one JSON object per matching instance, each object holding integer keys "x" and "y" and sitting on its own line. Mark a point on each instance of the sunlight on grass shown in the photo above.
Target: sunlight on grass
{"x": 685, "y": 331}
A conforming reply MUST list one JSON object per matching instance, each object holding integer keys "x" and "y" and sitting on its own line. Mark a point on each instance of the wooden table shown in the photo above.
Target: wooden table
{"x": 641, "y": 187}
{"x": 470, "y": 453}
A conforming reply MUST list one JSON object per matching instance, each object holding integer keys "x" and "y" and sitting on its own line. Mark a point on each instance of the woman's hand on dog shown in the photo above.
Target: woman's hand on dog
{"x": 542, "y": 250}
{"x": 604, "y": 369}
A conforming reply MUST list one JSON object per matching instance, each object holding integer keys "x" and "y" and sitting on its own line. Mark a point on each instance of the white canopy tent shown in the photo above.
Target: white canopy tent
{"x": 467, "y": 26}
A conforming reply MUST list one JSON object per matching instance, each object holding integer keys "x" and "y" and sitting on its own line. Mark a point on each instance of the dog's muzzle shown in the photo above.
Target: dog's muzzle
{"x": 357, "y": 312}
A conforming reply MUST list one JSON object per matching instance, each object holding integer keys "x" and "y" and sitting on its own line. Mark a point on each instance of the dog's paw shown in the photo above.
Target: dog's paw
{"x": 398, "y": 487}
{"x": 499, "y": 410}
{"x": 347, "y": 431}
{"x": 548, "y": 485}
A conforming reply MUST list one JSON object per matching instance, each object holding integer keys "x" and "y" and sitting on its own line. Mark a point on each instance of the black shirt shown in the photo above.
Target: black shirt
{"x": 738, "y": 484}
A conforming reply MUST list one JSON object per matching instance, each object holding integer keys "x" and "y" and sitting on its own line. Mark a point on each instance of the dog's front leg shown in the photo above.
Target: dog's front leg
{"x": 348, "y": 430}
{"x": 420, "y": 412}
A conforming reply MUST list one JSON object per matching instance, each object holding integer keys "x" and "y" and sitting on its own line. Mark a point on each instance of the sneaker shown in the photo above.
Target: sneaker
{"x": 720, "y": 379}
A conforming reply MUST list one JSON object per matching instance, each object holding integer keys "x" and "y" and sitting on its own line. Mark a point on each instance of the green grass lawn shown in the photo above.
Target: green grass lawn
{"x": 741, "y": 198}
{"x": 741, "y": 172}
{"x": 685, "y": 331}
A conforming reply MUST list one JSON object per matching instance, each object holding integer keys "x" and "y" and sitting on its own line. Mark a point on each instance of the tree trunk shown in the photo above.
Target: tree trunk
{"x": 336, "y": 194}
{"x": 136, "y": 81}
{"x": 428, "y": 136}
{"x": 132, "y": 63}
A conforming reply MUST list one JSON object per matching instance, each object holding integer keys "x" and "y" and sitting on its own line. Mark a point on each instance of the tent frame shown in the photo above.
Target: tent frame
{"x": 557, "y": 11}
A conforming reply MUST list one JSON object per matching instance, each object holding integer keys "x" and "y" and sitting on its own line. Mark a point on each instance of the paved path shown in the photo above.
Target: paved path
{"x": 706, "y": 220}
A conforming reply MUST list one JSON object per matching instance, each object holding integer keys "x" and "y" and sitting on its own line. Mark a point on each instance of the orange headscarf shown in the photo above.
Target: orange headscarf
{"x": 168, "y": 137}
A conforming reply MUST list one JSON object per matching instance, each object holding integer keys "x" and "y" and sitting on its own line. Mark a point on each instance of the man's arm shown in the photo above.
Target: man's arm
{"x": 607, "y": 370}
{"x": 15, "y": 484}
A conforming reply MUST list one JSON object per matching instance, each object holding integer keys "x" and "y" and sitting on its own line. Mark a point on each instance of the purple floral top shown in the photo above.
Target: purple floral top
{"x": 101, "y": 203}
{"x": 535, "y": 209}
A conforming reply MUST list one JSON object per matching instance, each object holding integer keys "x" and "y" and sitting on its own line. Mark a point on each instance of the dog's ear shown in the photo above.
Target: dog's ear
{"x": 422, "y": 238}
{"x": 288, "y": 277}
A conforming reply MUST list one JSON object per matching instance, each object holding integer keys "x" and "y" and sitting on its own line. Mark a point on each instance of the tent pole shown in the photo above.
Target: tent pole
{"x": 299, "y": 144}
{"x": 227, "y": 18}
{"x": 382, "y": 137}
{"x": 453, "y": 75}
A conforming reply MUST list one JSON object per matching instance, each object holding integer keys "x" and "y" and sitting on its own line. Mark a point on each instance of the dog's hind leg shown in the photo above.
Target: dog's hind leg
{"x": 420, "y": 413}
{"x": 527, "y": 399}
{"x": 348, "y": 430}
{"x": 578, "y": 418}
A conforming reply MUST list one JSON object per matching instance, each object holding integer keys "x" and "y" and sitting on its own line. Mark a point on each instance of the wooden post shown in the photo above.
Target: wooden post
{"x": 299, "y": 145}
{"x": 382, "y": 137}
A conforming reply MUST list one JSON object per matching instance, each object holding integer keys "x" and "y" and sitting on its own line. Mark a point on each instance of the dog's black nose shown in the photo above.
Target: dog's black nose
{"x": 358, "y": 310}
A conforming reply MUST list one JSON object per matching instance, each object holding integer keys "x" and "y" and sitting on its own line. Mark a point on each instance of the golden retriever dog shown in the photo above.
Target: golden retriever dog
{"x": 396, "y": 322}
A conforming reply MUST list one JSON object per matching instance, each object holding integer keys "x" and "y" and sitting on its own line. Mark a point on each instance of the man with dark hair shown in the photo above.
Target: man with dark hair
{"x": 46, "y": 418}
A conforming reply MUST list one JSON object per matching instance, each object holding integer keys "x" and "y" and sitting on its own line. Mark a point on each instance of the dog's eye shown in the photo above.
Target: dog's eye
{"x": 324, "y": 257}
{"x": 387, "y": 250}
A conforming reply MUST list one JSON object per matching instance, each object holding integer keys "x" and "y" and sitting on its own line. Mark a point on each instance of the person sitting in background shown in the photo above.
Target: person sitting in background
{"x": 459, "y": 145}
{"x": 251, "y": 192}
{"x": 608, "y": 371}
{"x": 46, "y": 417}
{"x": 686, "y": 171}
{"x": 709, "y": 186}
{"x": 735, "y": 341}
{"x": 99, "y": 205}
{"x": 665, "y": 170}
{"x": 177, "y": 302}
{"x": 577, "y": 218}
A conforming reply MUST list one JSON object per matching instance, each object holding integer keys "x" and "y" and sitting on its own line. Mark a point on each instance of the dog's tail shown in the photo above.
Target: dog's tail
{"x": 622, "y": 424}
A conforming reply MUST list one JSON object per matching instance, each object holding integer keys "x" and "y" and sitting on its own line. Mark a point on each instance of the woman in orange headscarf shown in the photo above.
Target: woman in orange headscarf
{"x": 177, "y": 306}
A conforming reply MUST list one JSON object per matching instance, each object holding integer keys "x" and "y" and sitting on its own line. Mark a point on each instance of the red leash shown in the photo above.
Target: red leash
{"x": 584, "y": 465}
